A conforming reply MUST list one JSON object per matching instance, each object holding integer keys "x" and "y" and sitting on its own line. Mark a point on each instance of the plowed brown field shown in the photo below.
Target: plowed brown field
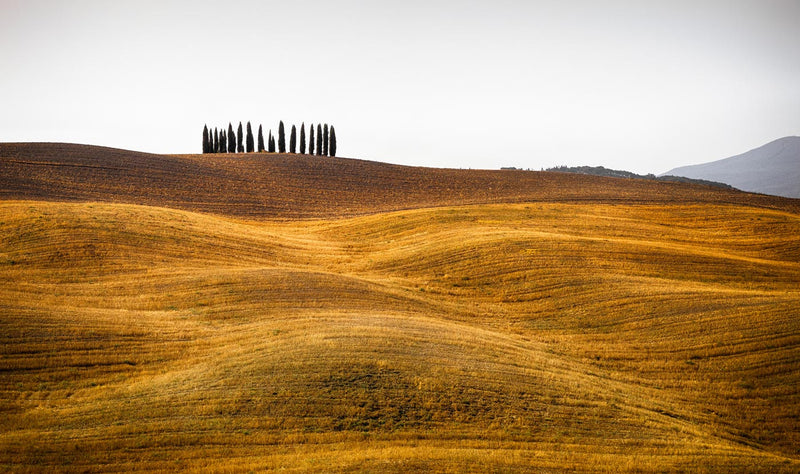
{"x": 268, "y": 185}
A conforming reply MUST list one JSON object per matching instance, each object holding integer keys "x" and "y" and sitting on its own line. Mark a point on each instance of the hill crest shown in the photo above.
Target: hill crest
{"x": 275, "y": 186}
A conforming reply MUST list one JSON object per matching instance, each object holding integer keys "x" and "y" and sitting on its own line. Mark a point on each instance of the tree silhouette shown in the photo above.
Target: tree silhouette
{"x": 216, "y": 140}
{"x": 302, "y": 138}
{"x": 325, "y": 140}
{"x": 332, "y": 146}
{"x": 319, "y": 140}
{"x": 223, "y": 141}
{"x": 206, "y": 147}
{"x": 231, "y": 139}
{"x": 260, "y": 139}
{"x": 281, "y": 138}
{"x": 311, "y": 139}
{"x": 239, "y": 139}
{"x": 293, "y": 140}
{"x": 249, "y": 142}
{"x": 271, "y": 143}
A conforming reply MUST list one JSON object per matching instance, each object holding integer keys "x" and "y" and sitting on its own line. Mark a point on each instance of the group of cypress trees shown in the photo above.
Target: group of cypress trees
{"x": 225, "y": 141}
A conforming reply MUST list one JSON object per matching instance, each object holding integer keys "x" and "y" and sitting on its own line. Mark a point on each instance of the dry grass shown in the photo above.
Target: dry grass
{"x": 504, "y": 337}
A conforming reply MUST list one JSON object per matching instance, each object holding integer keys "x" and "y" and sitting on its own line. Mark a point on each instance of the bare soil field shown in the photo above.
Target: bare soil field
{"x": 270, "y": 185}
{"x": 485, "y": 321}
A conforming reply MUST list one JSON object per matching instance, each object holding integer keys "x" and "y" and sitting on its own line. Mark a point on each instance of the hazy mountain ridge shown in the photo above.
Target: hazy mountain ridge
{"x": 770, "y": 169}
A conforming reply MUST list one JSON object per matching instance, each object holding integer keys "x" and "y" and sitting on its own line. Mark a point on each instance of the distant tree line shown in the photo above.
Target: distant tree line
{"x": 602, "y": 171}
{"x": 226, "y": 141}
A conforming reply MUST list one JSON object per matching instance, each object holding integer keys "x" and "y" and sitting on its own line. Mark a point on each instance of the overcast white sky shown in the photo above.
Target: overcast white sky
{"x": 639, "y": 85}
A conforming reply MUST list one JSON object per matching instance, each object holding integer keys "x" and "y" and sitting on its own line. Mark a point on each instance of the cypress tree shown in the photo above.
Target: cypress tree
{"x": 249, "y": 142}
{"x": 205, "y": 139}
{"x": 260, "y": 139}
{"x": 231, "y": 139}
{"x": 311, "y": 140}
{"x": 281, "y": 138}
{"x": 302, "y": 138}
{"x": 319, "y": 139}
{"x": 223, "y": 142}
{"x": 271, "y": 143}
{"x": 332, "y": 146}
{"x": 293, "y": 140}
{"x": 239, "y": 139}
{"x": 325, "y": 140}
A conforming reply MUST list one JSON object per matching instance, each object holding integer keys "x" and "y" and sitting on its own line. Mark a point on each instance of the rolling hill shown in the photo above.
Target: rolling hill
{"x": 770, "y": 169}
{"x": 279, "y": 312}
{"x": 268, "y": 186}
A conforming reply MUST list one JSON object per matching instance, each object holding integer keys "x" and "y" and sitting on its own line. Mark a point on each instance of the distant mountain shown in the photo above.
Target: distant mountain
{"x": 609, "y": 173}
{"x": 771, "y": 169}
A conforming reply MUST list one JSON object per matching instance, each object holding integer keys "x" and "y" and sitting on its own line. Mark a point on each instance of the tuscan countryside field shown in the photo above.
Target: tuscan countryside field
{"x": 260, "y": 311}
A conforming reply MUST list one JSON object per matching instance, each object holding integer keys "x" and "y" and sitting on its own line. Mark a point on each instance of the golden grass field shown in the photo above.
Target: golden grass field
{"x": 529, "y": 331}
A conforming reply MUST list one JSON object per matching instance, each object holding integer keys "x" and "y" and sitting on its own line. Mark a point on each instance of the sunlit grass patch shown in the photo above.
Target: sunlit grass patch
{"x": 534, "y": 336}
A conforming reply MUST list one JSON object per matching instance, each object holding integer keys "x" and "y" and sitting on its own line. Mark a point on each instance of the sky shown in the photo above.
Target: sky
{"x": 639, "y": 85}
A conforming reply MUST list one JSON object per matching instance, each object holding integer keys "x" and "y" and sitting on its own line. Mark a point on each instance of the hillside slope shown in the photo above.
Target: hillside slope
{"x": 543, "y": 336}
{"x": 235, "y": 313}
{"x": 770, "y": 169}
{"x": 264, "y": 186}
